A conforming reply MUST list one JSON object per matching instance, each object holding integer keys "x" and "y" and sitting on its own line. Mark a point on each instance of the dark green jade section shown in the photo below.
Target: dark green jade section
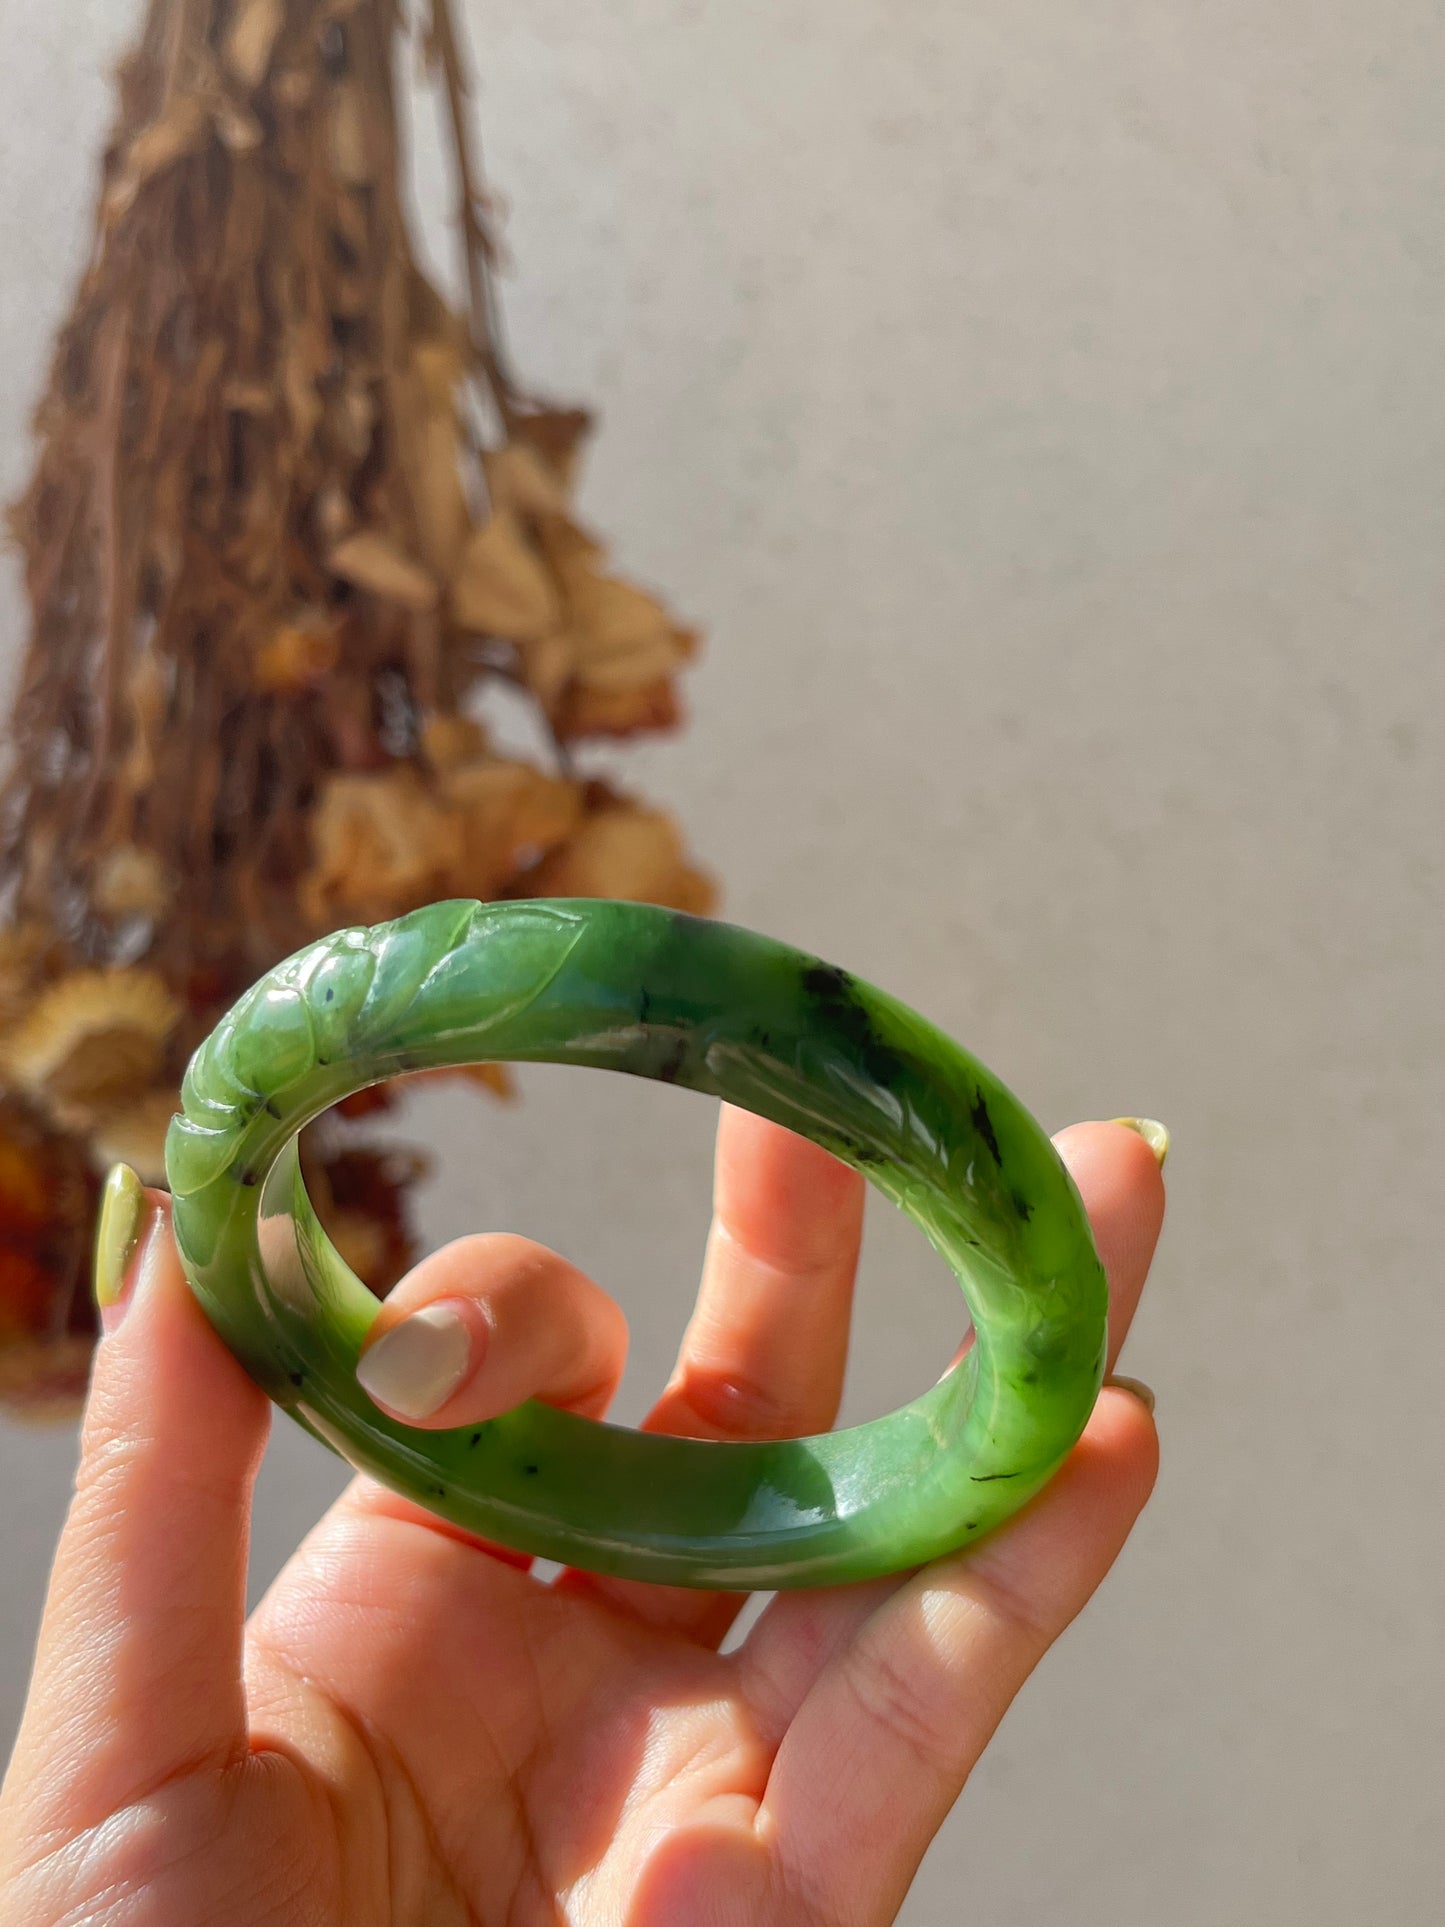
{"x": 720, "y": 1010}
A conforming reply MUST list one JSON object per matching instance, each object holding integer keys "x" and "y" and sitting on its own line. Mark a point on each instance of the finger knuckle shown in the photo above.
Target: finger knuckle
{"x": 896, "y": 1702}
{"x": 732, "y": 1405}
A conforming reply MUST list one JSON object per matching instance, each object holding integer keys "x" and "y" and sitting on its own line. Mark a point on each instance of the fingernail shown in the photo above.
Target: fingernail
{"x": 416, "y": 1366}
{"x": 1154, "y": 1134}
{"x": 1137, "y": 1388}
{"x": 122, "y": 1211}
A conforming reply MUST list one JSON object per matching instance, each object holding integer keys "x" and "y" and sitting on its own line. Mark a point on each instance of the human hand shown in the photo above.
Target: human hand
{"x": 413, "y": 1730}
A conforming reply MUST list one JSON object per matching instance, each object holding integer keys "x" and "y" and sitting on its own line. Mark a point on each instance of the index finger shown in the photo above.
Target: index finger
{"x": 138, "y": 1672}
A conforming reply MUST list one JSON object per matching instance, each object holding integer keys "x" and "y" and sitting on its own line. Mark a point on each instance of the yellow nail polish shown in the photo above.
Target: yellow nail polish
{"x": 1135, "y": 1387}
{"x": 122, "y": 1206}
{"x": 1153, "y": 1133}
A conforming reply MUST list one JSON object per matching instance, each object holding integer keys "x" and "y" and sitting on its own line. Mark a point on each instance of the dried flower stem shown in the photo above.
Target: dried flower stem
{"x": 273, "y": 564}
{"x": 486, "y": 322}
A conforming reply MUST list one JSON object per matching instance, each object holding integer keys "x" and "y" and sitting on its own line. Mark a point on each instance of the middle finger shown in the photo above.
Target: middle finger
{"x": 766, "y": 1349}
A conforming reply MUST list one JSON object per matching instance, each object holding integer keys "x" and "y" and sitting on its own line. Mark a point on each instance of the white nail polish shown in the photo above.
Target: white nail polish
{"x": 419, "y": 1363}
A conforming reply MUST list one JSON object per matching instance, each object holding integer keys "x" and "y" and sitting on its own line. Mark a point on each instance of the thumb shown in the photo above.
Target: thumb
{"x": 138, "y": 1672}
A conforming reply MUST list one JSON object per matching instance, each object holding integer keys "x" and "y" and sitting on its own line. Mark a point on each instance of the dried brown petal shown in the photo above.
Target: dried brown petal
{"x": 298, "y": 654}
{"x": 443, "y": 519}
{"x": 494, "y": 1078}
{"x": 249, "y": 397}
{"x": 137, "y": 1136}
{"x": 372, "y": 561}
{"x": 557, "y": 435}
{"x": 433, "y": 322}
{"x": 293, "y": 87}
{"x": 361, "y": 1243}
{"x": 567, "y": 545}
{"x": 180, "y": 130}
{"x": 148, "y": 696}
{"x": 25, "y": 1292}
{"x": 440, "y": 363}
{"x": 625, "y": 648}
{"x": 548, "y": 665}
{"x": 240, "y": 132}
{"x": 255, "y": 28}
{"x": 448, "y": 741}
{"x": 625, "y": 851}
{"x": 23, "y": 951}
{"x": 612, "y": 614}
{"x": 27, "y": 1193}
{"x": 335, "y": 516}
{"x": 511, "y": 815}
{"x": 501, "y": 588}
{"x": 382, "y": 845}
{"x": 586, "y": 711}
{"x": 623, "y": 667}
{"x": 352, "y": 419}
{"x": 131, "y": 882}
{"x": 92, "y": 1039}
{"x": 43, "y": 1381}
{"x": 359, "y": 1186}
{"x": 47, "y": 1187}
{"x": 367, "y": 1103}
{"x": 301, "y": 369}
{"x": 88, "y": 1084}
{"x": 350, "y": 156}
{"x": 519, "y": 478}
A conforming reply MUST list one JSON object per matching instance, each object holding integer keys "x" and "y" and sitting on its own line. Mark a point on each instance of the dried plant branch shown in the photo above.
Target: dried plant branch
{"x": 476, "y": 245}
{"x": 273, "y": 565}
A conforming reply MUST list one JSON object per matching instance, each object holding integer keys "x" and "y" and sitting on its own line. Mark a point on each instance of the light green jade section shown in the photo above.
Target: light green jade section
{"x": 720, "y": 1010}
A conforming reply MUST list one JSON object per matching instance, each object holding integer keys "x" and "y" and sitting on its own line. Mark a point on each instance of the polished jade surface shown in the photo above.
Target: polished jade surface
{"x": 723, "y": 1011}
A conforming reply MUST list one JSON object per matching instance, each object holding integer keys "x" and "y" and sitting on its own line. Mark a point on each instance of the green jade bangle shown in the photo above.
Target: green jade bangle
{"x": 628, "y": 987}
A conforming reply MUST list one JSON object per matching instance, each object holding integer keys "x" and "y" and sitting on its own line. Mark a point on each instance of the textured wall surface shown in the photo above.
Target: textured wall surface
{"x": 1041, "y": 407}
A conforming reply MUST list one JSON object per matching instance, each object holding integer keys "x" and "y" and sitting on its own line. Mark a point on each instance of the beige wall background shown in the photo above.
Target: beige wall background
{"x": 1041, "y": 406}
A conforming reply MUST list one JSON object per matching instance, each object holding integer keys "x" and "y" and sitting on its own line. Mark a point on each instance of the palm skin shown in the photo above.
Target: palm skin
{"x": 415, "y": 1730}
